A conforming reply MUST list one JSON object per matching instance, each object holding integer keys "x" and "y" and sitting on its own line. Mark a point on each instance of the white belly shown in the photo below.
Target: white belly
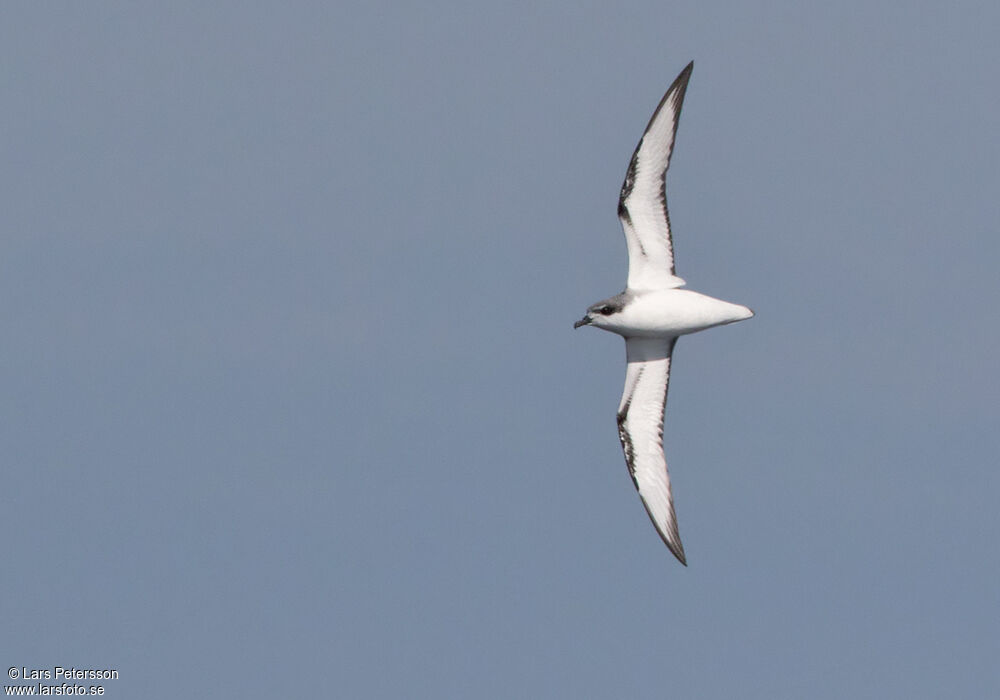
{"x": 673, "y": 312}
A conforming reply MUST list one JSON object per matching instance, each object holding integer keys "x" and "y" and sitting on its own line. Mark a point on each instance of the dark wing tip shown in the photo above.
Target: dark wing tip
{"x": 677, "y": 551}
{"x": 678, "y": 86}
{"x": 672, "y": 537}
{"x": 673, "y": 542}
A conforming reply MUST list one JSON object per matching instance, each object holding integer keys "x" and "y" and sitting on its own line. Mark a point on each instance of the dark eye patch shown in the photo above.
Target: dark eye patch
{"x": 606, "y": 310}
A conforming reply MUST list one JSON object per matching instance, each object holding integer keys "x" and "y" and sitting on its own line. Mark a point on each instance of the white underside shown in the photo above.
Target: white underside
{"x": 669, "y": 313}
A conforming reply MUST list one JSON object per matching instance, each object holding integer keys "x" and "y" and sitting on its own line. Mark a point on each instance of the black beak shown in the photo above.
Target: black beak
{"x": 585, "y": 321}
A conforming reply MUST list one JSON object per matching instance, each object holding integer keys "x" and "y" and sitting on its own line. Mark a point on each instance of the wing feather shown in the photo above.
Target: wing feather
{"x": 640, "y": 428}
{"x": 642, "y": 205}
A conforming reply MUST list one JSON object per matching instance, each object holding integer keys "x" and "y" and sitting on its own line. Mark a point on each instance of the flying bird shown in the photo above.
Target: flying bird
{"x": 653, "y": 312}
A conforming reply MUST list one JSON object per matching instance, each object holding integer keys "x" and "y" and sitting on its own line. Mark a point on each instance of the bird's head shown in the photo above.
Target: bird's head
{"x": 603, "y": 313}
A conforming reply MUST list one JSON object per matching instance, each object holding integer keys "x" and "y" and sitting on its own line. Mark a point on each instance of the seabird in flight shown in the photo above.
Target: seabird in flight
{"x": 653, "y": 312}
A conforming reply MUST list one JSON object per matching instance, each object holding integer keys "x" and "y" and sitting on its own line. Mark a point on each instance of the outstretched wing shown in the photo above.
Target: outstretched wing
{"x": 640, "y": 428}
{"x": 642, "y": 206}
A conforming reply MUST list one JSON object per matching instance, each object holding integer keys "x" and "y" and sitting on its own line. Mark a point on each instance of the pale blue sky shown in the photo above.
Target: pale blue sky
{"x": 292, "y": 401}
